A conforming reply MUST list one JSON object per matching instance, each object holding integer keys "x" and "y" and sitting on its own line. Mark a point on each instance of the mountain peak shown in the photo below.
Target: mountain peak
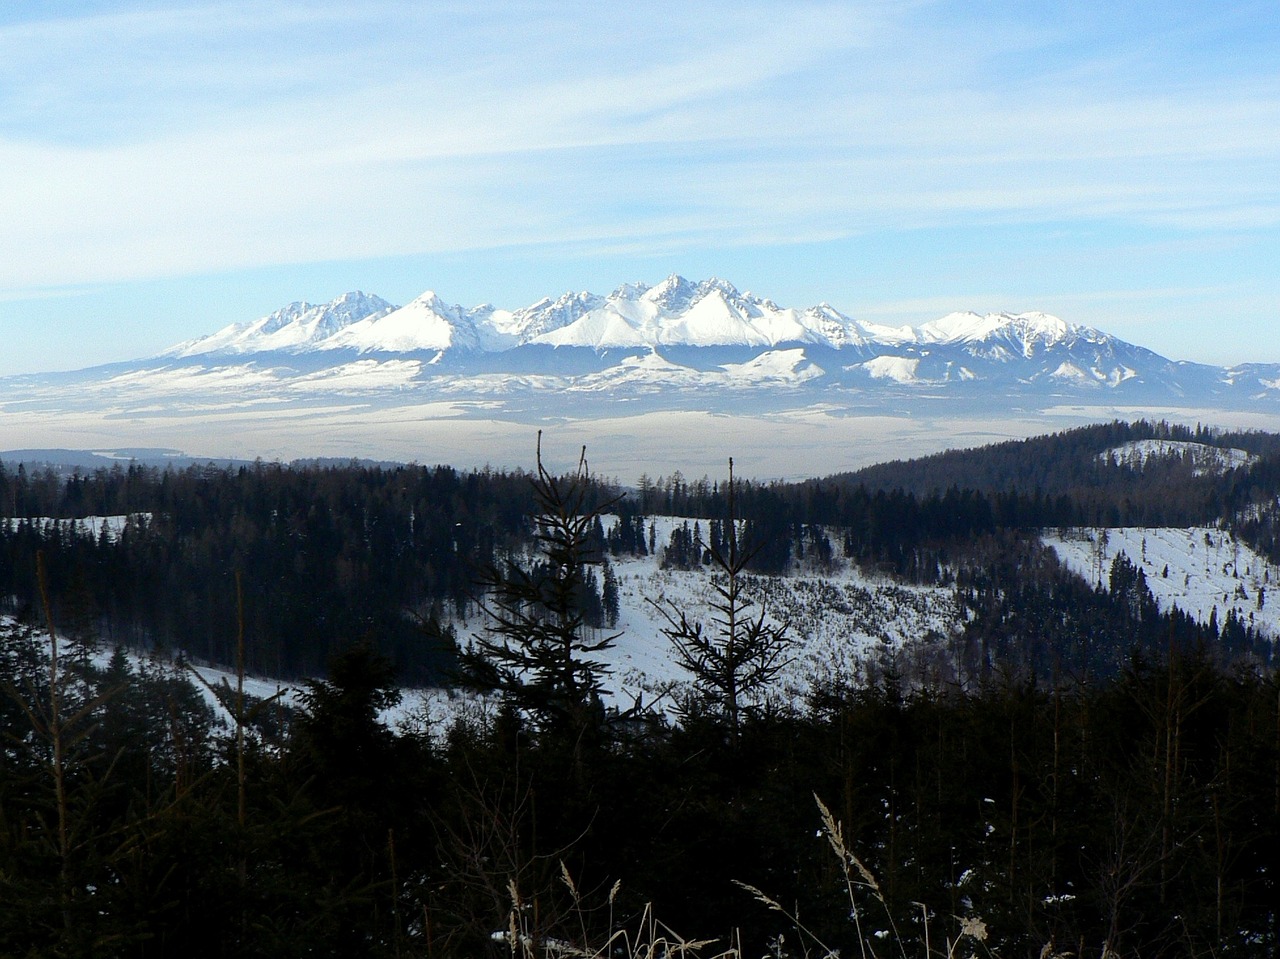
{"x": 298, "y": 326}
{"x": 675, "y": 312}
{"x": 675, "y": 294}
{"x": 715, "y": 283}
{"x": 630, "y": 291}
{"x": 973, "y": 327}
{"x": 547, "y": 315}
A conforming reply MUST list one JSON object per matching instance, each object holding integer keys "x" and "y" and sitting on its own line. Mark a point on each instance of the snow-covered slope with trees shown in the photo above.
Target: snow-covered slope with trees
{"x": 1203, "y": 571}
{"x": 1204, "y": 459}
{"x": 841, "y": 620}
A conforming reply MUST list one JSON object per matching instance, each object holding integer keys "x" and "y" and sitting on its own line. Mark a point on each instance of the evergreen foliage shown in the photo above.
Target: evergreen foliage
{"x": 734, "y": 657}
{"x": 539, "y": 650}
{"x": 1131, "y": 817}
{"x": 1076, "y": 769}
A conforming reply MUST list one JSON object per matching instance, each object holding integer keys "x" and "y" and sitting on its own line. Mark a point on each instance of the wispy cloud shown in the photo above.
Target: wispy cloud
{"x": 159, "y": 139}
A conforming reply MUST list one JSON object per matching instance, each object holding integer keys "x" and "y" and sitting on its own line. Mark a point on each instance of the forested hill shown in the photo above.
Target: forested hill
{"x": 1114, "y": 474}
{"x": 1072, "y": 770}
{"x": 327, "y": 555}
{"x": 333, "y": 554}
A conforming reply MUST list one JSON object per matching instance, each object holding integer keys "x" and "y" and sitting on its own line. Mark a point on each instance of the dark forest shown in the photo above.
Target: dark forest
{"x": 1076, "y": 772}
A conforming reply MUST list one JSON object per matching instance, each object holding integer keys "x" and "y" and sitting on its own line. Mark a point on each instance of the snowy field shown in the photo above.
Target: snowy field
{"x": 1198, "y": 570}
{"x": 833, "y": 616}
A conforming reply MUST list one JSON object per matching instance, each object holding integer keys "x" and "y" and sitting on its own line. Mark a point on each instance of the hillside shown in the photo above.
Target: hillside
{"x": 864, "y": 579}
{"x": 982, "y": 697}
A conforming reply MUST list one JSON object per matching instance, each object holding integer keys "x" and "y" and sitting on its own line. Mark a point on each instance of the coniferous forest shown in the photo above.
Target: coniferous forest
{"x": 1079, "y": 773}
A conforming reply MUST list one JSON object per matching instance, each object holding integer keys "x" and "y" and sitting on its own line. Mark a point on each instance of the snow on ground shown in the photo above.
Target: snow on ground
{"x": 359, "y": 376}
{"x": 897, "y": 368}
{"x": 83, "y": 526}
{"x": 209, "y": 678}
{"x": 835, "y": 617}
{"x": 1198, "y": 570}
{"x": 839, "y": 617}
{"x": 1205, "y": 459}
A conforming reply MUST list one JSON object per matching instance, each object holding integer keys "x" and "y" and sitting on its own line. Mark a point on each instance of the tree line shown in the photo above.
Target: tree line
{"x": 333, "y": 554}
{"x": 1073, "y": 772}
{"x": 1130, "y": 816}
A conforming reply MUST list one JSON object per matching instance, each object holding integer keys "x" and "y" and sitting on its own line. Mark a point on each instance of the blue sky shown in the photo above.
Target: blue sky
{"x": 170, "y": 168}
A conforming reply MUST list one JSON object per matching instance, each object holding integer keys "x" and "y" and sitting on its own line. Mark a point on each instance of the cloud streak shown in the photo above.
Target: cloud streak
{"x": 164, "y": 139}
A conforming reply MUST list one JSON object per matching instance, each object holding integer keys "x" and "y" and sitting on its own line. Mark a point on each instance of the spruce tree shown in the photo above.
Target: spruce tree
{"x": 738, "y": 652}
{"x": 538, "y": 650}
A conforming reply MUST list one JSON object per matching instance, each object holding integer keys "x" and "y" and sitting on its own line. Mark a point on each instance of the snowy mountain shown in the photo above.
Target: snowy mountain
{"x": 298, "y": 326}
{"x": 676, "y": 312}
{"x": 683, "y": 347}
{"x": 708, "y": 329}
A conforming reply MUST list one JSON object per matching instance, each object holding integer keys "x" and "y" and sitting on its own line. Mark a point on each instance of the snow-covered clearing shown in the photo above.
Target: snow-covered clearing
{"x": 1198, "y": 570}
{"x": 84, "y": 526}
{"x": 835, "y": 617}
{"x": 1205, "y": 459}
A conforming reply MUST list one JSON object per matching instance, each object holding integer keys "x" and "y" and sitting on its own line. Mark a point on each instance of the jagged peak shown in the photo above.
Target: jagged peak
{"x": 715, "y": 283}
{"x": 428, "y": 298}
{"x": 281, "y": 317}
{"x": 358, "y": 297}
{"x": 634, "y": 314}
{"x": 630, "y": 291}
{"x": 675, "y": 294}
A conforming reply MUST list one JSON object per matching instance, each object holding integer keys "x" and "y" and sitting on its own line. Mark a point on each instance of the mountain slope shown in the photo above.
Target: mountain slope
{"x": 298, "y": 326}
{"x": 354, "y": 374}
{"x": 710, "y": 326}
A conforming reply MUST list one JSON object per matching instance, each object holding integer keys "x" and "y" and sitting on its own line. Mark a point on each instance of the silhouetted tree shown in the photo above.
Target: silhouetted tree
{"x": 538, "y": 650}
{"x": 738, "y": 652}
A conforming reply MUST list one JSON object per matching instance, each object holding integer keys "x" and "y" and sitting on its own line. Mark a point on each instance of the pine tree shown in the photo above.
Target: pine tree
{"x": 609, "y": 596}
{"x": 739, "y": 652}
{"x": 538, "y": 651}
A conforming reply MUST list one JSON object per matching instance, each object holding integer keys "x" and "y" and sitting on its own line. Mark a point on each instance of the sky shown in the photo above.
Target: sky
{"x": 169, "y": 168}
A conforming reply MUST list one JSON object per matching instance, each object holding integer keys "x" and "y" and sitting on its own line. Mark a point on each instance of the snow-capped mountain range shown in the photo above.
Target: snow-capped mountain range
{"x": 696, "y": 338}
{"x": 676, "y": 312}
{"x": 698, "y": 365}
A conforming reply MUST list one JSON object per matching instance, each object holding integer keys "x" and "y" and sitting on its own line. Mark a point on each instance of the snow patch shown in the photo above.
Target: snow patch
{"x": 900, "y": 369}
{"x": 1205, "y": 459}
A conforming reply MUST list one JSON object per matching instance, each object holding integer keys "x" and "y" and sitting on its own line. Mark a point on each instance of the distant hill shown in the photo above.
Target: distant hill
{"x": 1109, "y": 455}
{"x": 95, "y": 459}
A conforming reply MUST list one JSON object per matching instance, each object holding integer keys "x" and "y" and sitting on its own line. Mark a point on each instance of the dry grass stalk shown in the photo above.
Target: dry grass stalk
{"x": 857, "y": 876}
{"x": 649, "y": 939}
